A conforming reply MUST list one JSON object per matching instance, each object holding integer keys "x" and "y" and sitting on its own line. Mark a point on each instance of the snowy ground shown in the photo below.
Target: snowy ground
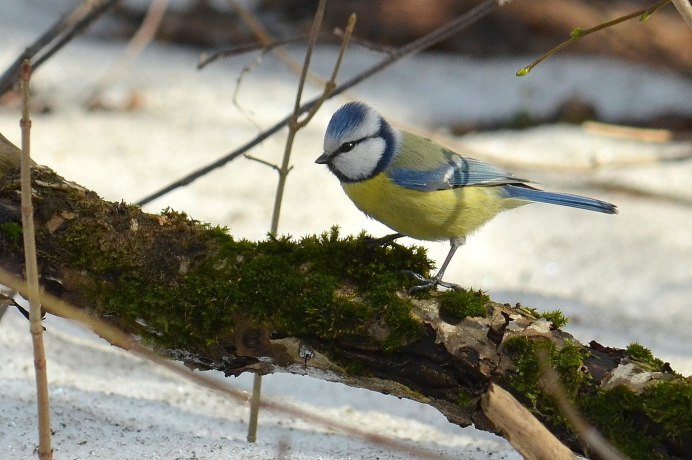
{"x": 621, "y": 278}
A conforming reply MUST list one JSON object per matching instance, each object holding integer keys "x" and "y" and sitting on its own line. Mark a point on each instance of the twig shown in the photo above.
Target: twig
{"x": 207, "y": 58}
{"x": 366, "y": 43}
{"x": 255, "y": 400}
{"x": 266, "y": 39}
{"x": 123, "y": 340}
{"x": 685, "y": 10}
{"x": 577, "y": 33}
{"x": 627, "y": 132}
{"x": 139, "y": 41}
{"x": 269, "y": 45}
{"x": 45, "y": 452}
{"x": 526, "y": 434}
{"x": 67, "y": 27}
{"x": 236, "y": 92}
{"x": 440, "y": 34}
{"x": 593, "y": 440}
{"x": 264, "y": 162}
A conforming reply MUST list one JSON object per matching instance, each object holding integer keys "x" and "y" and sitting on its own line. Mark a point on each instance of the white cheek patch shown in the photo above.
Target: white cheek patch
{"x": 360, "y": 162}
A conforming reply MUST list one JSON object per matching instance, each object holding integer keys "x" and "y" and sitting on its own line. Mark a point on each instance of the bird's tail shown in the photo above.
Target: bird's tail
{"x": 523, "y": 192}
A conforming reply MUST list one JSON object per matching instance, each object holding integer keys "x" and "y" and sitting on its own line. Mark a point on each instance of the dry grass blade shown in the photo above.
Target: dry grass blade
{"x": 594, "y": 441}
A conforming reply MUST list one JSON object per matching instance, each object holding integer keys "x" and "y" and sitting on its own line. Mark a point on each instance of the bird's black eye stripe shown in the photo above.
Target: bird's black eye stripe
{"x": 345, "y": 147}
{"x": 348, "y": 146}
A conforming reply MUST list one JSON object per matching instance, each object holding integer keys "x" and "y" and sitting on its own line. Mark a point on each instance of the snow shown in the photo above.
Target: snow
{"x": 620, "y": 278}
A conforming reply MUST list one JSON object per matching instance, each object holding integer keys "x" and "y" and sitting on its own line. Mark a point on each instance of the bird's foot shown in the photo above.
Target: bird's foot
{"x": 382, "y": 241}
{"x": 429, "y": 283}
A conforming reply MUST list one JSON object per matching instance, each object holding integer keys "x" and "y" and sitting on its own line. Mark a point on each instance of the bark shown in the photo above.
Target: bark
{"x": 334, "y": 308}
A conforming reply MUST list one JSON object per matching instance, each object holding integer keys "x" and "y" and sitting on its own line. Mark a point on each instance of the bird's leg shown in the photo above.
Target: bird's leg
{"x": 385, "y": 240}
{"x": 437, "y": 280}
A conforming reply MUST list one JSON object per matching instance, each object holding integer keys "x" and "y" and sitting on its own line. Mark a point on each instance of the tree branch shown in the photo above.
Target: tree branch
{"x": 199, "y": 296}
{"x": 57, "y": 36}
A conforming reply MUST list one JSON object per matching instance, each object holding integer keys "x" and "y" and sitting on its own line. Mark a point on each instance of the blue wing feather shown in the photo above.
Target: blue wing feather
{"x": 458, "y": 171}
{"x": 426, "y": 166}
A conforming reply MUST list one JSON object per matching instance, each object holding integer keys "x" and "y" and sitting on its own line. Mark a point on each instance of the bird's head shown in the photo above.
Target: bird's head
{"x": 359, "y": 143}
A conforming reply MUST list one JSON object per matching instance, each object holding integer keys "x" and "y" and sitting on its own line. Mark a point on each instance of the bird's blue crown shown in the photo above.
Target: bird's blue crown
{"x": 346, "y": 119}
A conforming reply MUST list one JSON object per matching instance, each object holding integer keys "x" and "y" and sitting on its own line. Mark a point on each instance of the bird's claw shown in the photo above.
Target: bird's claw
{"x": 429, "y": 283}
{"x": 382, "y": 241}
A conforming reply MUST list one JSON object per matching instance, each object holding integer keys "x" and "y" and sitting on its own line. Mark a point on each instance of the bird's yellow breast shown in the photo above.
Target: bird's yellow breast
{"x": 436, "y": 215}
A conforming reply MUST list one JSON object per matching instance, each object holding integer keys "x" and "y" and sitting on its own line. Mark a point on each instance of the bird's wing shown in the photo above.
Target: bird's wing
{"x": 452, "y": 172}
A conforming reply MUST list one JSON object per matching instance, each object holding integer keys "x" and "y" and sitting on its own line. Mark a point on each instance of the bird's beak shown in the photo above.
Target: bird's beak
{"x": 323, "y": 159}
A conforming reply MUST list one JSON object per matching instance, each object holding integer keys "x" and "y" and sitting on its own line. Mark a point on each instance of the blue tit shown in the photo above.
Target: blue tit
{"x": 421, "y": 189}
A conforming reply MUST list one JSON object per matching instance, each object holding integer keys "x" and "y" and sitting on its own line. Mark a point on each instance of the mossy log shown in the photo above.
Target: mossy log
{"x": 335, "y": 308}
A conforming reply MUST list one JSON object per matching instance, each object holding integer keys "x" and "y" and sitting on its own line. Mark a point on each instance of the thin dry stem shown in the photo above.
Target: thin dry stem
{"x": 255, "y": 400}
{"x": 207, "y": 58}
{"x": 45, "y": 451}
{"x": 283, "y": 175}
{"x": 293, "y": 125}
{"x": 236, "y": 92}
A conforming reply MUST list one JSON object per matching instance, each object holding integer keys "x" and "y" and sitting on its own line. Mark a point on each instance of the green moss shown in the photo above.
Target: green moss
{"x": 644, "y": 357}
{"x": 350, "y": 366}
{"x": 639, "y": 352}
{"x": 669, "y": 403}
{"x": 525, "y": 380}
{"x": 11, "y": 236}
{"x": 324, "y": 286}
{"x": 637, "y": 423}
{"x": 455, "y": 305}
{"x": 556, "y": 317}
{"x": 12, "y": 230}
{"x": 568, "y": 362}
{"x": 466, "y": 398}
{"x": 612, "y": 413}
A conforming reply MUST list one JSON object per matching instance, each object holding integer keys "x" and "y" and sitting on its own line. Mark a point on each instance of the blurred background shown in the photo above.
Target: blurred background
{"x": 608, "y": 117}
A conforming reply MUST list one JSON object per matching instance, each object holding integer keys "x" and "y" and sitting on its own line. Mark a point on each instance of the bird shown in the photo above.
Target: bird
{"x": 421, "y": 189}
